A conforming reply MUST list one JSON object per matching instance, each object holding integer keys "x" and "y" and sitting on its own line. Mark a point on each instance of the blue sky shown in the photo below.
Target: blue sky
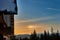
{"x": 38, "y": 12}
{"x": 31, "y": 9}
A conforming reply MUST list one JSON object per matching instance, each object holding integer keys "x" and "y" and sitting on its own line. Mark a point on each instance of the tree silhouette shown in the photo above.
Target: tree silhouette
{"x": 44, "y": 36}
{"x": 33, "y": 36}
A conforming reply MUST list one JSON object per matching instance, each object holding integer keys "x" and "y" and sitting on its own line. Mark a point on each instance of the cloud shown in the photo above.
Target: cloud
{"x": 53, "y": 9}
{"x": 35, "y": 20}
{"x": 27, "y": 26}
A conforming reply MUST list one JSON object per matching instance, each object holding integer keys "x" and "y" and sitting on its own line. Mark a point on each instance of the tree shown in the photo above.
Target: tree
{"x": 33, "y": 36}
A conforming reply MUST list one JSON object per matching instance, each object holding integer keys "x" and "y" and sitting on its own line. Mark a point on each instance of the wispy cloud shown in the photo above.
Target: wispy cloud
{"x": 53, "y": 9}
{"x": 35, "y": 20}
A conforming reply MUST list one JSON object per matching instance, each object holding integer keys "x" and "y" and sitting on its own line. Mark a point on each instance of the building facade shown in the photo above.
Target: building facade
{"x": 9, "y": 20}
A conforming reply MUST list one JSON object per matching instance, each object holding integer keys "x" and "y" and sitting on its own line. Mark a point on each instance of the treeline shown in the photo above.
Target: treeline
{"x": 45, "y": 36}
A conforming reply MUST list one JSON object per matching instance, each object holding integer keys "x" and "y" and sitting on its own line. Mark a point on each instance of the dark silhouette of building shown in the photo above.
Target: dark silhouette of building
{"x": 4, "y": 29}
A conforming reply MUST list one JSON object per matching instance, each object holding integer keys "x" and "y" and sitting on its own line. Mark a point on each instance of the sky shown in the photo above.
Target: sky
{"x": 37, "y": 14}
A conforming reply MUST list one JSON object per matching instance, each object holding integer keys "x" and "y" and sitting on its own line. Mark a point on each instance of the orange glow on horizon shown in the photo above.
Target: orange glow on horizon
{"x": 28, "y": 28}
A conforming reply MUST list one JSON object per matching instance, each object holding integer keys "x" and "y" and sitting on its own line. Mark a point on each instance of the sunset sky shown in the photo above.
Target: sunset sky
{"x": 37, "y": 14}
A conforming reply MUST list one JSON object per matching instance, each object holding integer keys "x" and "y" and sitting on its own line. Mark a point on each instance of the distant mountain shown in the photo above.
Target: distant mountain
{"x": 28, "y": 36}
{"x": 23, "y": 36}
